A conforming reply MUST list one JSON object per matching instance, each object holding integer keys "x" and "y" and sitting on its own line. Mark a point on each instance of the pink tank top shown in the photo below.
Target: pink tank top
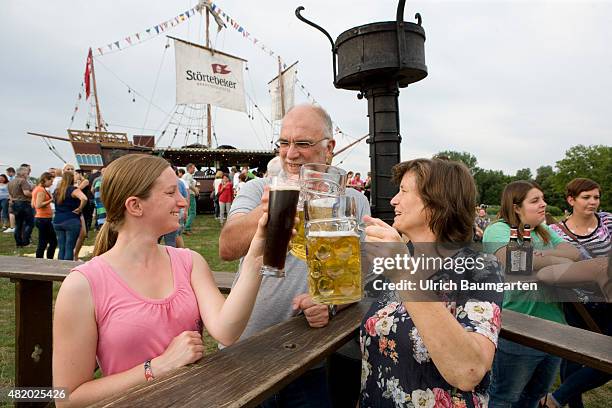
{"x": 133, "y": 329}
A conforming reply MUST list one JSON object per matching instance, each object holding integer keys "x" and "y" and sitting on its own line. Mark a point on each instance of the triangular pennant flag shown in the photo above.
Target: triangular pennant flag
{"x": 117, "y": 44}
{"x": 110, "y": 46}
{"x": 137, "y": 36}
{"x": 157, "y": 29}
{"x": 128, "y": 39}
{"x": 100, "y": 50}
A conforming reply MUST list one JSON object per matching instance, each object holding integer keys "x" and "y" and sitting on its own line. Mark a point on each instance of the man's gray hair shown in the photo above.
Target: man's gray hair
{"x": 326, "y": 122}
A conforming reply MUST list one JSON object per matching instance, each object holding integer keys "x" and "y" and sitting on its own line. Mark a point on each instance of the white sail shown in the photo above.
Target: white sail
{"x": 206, "y": 77}
{"x": 288, "y": 77}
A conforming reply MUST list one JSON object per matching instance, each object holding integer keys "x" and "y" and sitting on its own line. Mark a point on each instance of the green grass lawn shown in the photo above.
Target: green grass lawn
{"x": 205, "y": 239}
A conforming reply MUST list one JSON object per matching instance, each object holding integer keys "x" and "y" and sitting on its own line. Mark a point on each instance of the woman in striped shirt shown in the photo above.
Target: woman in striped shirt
{"x": 591, "y": 232}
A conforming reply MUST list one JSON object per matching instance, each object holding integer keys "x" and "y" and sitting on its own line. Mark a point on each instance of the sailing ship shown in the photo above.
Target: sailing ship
{"x": 201, "y": 73}
{"x": 205, "y": 77}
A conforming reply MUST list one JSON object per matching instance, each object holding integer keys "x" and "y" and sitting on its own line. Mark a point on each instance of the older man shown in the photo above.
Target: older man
{"x": 20, "y": 191}
{"x": 306, "y": 137}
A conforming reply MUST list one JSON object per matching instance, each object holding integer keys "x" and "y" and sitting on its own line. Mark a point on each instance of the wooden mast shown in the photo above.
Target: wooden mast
{"x": 281, "y": 87}
{"x": 208, "y": 110}
{"x": 99, "y": 124}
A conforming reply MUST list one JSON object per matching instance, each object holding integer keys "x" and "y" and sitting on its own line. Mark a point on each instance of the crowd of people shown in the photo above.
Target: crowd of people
{"x": 60, "y": 203}
{"x": 408, "y": 353}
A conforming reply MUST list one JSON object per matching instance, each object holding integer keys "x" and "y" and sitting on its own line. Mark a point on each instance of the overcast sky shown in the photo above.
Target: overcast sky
{"x": 514, "y": 83}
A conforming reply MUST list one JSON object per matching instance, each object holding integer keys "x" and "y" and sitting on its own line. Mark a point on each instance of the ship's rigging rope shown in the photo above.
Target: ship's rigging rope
{"x": 161, "y": 63}
{"x": 98, "y": 60}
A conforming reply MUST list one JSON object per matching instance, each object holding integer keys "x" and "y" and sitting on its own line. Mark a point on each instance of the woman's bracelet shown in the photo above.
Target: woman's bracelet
{"x": 148, "y": 372}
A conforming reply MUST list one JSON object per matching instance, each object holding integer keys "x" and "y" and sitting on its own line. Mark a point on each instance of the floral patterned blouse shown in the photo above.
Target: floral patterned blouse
{"x": 396, "y": 367}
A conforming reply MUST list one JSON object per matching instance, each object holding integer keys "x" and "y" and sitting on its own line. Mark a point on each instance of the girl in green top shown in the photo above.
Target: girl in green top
{"x": 522, "y": 375}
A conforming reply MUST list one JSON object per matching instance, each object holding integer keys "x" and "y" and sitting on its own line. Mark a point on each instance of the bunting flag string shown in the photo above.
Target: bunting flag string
{"x": 149, "y": 33}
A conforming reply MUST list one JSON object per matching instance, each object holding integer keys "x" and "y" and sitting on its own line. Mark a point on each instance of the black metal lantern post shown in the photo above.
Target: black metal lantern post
{"x": 377, "y": 59}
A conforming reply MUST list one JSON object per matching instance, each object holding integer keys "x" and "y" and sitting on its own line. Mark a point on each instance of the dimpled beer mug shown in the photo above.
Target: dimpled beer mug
{"x": 282, "y": 206}
{"x": 316, "y": 181}
{"x": 332, "y": 250}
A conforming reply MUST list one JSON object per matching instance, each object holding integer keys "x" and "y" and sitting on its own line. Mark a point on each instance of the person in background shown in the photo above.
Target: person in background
{"x": 20, "y": 192}
{"x": 133, "y": 284}
{"x": 357, "y": 182}
{"x": 431, "y": 353}
{"x": 82, "y": 183}
{"x": 193, "y": 193}
{"x": 4, "y": 202}
{"x": 523, "y": 375}
{"x": 242, "y": 181}
{"x": 367, "y": 186}
{"x": 99, "y": 205}
{"x": 590, "y": 232}
{"x": 69, "y": 202}
{"x": 226, "y": 196}
{"x": 214, "y": 195}
{"x": 174, "y": 239}
{"x": 57, "y": 174}
{"x": 481, "y": 223}
{"x": 88, "y": 211}
{"x": 10, "y": 173}
{"x": 41, "y": 202}
{"x": 349, "y": 179}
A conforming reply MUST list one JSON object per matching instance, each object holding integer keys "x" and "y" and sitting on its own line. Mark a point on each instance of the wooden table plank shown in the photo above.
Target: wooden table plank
{"x": 39, "y": 269}
{"x": 582, "y": 346}
{"x": 249, "y": 371}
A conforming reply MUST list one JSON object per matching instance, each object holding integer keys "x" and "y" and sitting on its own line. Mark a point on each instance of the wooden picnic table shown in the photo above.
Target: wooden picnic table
{"x": 251, "y": 370}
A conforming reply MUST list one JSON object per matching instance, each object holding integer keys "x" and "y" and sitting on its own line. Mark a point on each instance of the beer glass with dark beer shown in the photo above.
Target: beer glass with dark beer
{"x": 282, "y": 207}
{"x": 316, "y": 181}
{"x": 333, "y": 251}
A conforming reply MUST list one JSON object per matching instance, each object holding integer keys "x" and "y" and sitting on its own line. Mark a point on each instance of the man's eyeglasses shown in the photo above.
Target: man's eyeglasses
{"x": 300, "y": 144}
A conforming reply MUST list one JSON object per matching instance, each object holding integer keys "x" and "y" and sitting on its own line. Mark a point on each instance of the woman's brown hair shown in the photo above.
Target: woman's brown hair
{"x": 132, "y": 175}
{"x": 46, "y": 176}
{"x": 448, "y": 192}
{"x": 67, "y": 181}
{"x": 514, "y": 194}
{"x": 579, "y": 185}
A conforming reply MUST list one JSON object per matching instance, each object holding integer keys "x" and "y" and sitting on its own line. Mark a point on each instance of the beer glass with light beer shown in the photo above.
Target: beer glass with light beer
{"x": 333, "y": 250}
{"x": 316, "y": 181}
{"x": 282, "y": 207}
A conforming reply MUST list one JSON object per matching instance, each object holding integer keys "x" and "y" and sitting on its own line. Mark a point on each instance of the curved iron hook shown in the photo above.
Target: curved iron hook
{"x": 419, "y": 19}
{"x": 321, "y": 29}
{"x": 310, "y": 23}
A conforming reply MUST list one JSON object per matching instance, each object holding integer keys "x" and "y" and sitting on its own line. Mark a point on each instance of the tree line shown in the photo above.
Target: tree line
{"x": 594, "y": 162}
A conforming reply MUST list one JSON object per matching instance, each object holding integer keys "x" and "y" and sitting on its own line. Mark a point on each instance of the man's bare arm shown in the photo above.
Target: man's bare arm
{"x": 237, "y": 234}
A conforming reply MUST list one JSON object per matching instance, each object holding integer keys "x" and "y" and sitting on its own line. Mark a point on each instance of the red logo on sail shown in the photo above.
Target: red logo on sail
{"x": 220, "y": 69}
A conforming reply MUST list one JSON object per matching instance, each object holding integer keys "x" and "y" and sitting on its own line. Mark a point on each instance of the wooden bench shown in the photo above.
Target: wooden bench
{"x": 250, "y": 371}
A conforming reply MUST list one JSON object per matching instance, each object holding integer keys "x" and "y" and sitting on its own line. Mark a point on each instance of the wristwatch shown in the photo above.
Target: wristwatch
{"x": 332, "y": 310}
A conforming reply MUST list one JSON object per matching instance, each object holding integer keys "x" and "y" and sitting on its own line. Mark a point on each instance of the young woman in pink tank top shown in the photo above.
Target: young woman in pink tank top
{"x": 137, "y": 308}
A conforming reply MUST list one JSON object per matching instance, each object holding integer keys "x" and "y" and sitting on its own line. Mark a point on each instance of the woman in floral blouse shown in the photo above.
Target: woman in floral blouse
{"x": 436, "y": 353}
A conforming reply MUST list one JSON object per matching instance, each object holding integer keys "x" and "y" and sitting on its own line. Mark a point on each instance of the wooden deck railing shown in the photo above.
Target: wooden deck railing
{"x": 250, "y": 371}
